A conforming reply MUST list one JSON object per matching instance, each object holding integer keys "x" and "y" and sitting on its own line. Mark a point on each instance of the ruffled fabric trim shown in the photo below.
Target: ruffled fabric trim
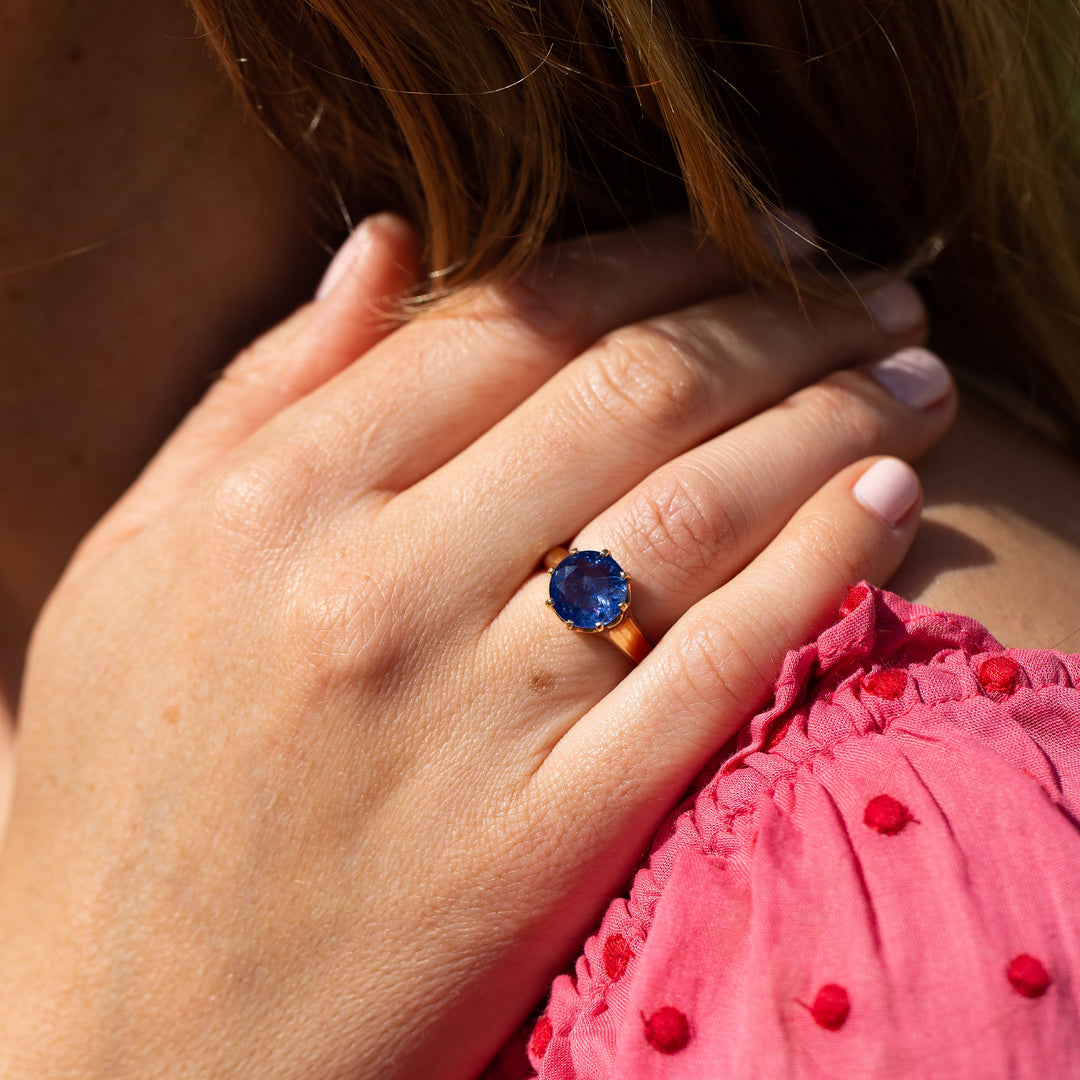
{"x": 877, "y": 735}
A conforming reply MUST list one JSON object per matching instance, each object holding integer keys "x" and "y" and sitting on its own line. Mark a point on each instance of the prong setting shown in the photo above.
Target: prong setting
{"x": 589, "y": 591}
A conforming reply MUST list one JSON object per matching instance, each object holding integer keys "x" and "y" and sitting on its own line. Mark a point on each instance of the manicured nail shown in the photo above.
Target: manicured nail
{"x": 348, "y": 255}
{"x": 915, "y": 376}
{"x": 888, "y": 489}
{"x": 896, "y": 308}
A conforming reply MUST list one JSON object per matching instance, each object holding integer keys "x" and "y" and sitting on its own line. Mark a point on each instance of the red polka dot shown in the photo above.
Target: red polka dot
{"x": 541, "y": 1037}
{"x": 1028, "y": 976}
{"x": 831, "y": 1007}
{"x": 885, "y": 684}
{"x": 616, "y": 956}
{"x": 667, "y": 1030}
{"x": 999, "y": 674}
{"x": 853, "y": 599}
{"x": 776, "y": 735}
{"x": 886, "y": 815}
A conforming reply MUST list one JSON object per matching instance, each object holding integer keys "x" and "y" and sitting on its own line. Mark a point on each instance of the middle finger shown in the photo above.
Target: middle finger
{"x": 639, "y": 398}
{"x": 695, "y": 523}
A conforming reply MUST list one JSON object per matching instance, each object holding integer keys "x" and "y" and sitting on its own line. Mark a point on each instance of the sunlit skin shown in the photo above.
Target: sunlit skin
{"x": 150, "y": 230}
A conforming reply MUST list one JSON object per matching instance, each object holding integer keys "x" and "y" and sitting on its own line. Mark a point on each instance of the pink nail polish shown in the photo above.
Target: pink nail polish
{"x": 914, "y": 376}
{"x": 888, "y": 489}
{"x": 897, "y": 308}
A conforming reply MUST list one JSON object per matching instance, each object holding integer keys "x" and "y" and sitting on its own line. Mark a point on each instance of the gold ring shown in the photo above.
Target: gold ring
{"x": 590, "y": 592}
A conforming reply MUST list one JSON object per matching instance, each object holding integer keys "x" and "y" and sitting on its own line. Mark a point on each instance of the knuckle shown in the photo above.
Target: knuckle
{"x": 240, "y": 502}
{"x": 824, "y": 542}
{"x": 536, "y": 304}
{"x": 256, "y": 505}
{"x": 466, "y": 317}
{"x": 719, "y": 661}
{"x": 842, "y": 409}
{"x": 257, "y": 367}
{"x": 367, "y": 625}
{"x": 640, "y": 375}
{"x": 246, "y": 364}
{"x": 685, "y": 524}
{"x": 240, "y": 390}
{"x": 817, "y": 532}
{"x": 348, "y": 631}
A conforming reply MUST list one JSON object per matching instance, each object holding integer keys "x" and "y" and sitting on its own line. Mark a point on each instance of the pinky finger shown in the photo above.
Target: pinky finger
{"x": 718, "y": 665}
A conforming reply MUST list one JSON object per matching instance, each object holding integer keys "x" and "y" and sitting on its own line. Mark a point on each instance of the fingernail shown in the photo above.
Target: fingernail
{"x": 914, "y": 376}
{"x": 896, "y": 308}
{"x": 343, "y": 262}
{"x": 888, "y": 489}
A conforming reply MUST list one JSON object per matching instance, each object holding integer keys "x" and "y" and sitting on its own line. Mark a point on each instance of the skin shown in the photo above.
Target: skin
{"x": 103, "y": 264}
{"x": 198, "y": 762}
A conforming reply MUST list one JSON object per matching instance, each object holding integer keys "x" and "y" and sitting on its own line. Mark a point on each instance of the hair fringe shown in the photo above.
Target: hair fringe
{"x": 938, "y": 139}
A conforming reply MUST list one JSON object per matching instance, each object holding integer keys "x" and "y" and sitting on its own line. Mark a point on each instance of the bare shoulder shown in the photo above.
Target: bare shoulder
{"x": 1001, "y": 534}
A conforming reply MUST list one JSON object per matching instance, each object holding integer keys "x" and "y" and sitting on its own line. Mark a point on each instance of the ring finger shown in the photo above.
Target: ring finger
{"x": 637, "y": 400}
{"x": 692, "y": 525}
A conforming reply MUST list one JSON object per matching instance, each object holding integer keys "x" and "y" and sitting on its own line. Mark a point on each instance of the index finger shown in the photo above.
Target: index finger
{"x": 433, "y": 387}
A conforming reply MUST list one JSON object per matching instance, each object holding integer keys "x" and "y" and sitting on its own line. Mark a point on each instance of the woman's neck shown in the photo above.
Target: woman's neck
{"x": 1000, "y": 537}
{"x": 150, "y": 230}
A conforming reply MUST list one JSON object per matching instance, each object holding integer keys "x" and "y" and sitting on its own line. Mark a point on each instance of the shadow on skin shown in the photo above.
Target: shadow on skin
{"x": 1000, "y": 537}
{"x": 938, "y": 548}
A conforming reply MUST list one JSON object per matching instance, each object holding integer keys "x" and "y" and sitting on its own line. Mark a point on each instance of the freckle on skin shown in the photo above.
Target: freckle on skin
{"x": 171, "y": 715}
{"x": 75, "y": 55}
{"x": 542, "y": 682}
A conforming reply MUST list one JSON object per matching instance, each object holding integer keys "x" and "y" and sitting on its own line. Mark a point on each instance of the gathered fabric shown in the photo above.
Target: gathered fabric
{"x": 881, "y": 881}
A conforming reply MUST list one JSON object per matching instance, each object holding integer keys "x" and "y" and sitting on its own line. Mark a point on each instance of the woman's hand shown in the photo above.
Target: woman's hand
{"x": 311, "y": 783}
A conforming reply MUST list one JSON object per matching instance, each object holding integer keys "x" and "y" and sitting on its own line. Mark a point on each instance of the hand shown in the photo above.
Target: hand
{"x": 310, "y": 781}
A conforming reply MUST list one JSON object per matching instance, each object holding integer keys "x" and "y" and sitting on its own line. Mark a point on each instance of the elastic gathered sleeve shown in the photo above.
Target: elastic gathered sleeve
{"x": 883, "y": 881}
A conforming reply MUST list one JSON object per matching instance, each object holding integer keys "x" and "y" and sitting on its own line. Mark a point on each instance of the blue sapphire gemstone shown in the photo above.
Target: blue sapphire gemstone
{"x": 588, "y": 590}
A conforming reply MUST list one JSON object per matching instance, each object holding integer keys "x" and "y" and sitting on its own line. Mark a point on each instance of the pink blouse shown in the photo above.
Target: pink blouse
{"x": 882, "y": 881}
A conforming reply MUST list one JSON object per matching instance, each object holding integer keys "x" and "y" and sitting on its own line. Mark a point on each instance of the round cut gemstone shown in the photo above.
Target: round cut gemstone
{"x": 588, "y": 590}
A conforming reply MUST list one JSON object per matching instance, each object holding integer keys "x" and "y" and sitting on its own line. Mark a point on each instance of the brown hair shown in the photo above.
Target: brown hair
{"x": 940, "y": 132}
